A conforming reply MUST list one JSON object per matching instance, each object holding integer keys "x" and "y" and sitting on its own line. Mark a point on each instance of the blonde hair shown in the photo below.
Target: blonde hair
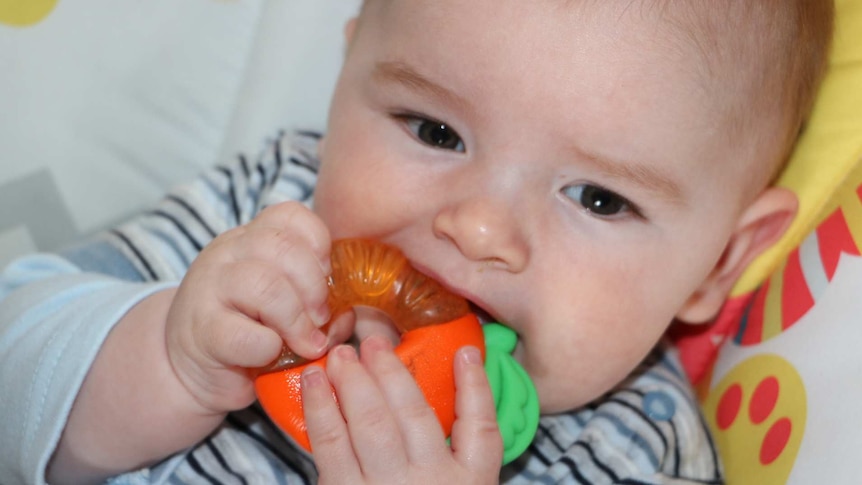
{"x": 768, "y": 55}
{"x": 761, "y": 56}
{"x": 809, "y": 40}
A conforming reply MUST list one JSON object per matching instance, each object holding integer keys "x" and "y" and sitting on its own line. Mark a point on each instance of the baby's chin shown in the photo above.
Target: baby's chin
{"x": 553, "y": 398}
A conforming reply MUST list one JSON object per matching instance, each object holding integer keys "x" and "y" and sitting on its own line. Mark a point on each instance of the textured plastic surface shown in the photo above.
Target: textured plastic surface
{"x": 372, "y": 274}
{"x": 428, "y": 352}
{"x": 434, "y": 324}
{"x": 515, "y": 395}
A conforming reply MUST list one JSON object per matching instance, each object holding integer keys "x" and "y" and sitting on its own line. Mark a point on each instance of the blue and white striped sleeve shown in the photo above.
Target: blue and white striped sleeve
{"x": 161, "y": 244}
{"x": 56, "y": 310}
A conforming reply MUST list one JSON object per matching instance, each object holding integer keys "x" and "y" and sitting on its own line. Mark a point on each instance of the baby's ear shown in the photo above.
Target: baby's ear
{"x": 761, "y": 225}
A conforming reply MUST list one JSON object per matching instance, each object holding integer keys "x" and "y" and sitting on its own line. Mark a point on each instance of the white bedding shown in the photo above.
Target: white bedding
{"x": 105, "y": 103}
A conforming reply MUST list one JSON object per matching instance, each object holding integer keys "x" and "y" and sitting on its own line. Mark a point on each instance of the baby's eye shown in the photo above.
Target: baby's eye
{"x": 435, "y": 133}
{"x": 599, "y": 201}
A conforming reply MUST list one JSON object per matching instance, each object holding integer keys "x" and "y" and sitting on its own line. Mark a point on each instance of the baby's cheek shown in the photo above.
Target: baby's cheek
{"x": 570, "y": 377}
{"x": 333, "y": 208}
{"x": 563, "y": 385}
{"x": 560, "y": 393}
{"x": 350, "y": 209}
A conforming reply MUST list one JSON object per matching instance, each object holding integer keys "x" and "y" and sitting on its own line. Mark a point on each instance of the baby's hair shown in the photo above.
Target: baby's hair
{"x": 763, "y": 57}
{"x": 808, "y": 56}
{"x": 769, "y": 55}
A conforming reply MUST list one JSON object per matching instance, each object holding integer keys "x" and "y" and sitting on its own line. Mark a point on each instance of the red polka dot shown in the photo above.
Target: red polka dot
{"x": 775, "y": 441}
{"x": 763, "y": 400}
{"x": 728, "y": 406}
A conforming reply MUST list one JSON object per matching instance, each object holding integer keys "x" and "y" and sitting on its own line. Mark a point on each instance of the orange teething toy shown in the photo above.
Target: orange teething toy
{"x": 434, "y": 323}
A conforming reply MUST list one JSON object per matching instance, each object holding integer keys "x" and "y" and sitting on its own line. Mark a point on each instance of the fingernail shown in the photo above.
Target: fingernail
{"x": 471, "y": 355}
{"x": 325, "y": 266}
{"x": 319, "y": 340}
{"x": 320, "y": 316}
{"x": 377, "y": 342}
{"x": 313, "y": 377}
{"x": 347, "y": 353}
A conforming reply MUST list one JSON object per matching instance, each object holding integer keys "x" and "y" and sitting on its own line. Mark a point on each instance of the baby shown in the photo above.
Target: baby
{"x": 585, "y": 172}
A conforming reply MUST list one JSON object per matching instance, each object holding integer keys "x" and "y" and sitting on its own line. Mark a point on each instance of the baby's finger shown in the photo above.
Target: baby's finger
{"x": 373, "y": 431}
{"x": 423, "y": 437}
{"x": 297, "y": 219}
{"x": 265, "y": 295}
{"x": 476, "y": 440}
{"x": 233, "y": 339}
{"x": 327, "y": 431}
{"x": 295, "y": 259}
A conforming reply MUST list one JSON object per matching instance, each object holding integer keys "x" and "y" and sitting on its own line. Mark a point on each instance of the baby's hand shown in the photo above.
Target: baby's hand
{"x": 385, "y": 432}
{"x": 249, "y": 291}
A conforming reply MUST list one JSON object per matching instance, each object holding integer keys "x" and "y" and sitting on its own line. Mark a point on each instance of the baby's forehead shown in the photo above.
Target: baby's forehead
{"x": 712, "y": 29}
{"x": 729, "y": 48}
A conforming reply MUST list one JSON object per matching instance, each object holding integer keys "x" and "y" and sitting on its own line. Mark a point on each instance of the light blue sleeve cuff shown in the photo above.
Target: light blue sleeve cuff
{"x": 53, "y": 321}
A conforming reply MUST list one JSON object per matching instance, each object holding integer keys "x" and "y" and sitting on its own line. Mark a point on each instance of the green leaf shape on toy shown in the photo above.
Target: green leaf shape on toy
{"x": 515, "y": 396}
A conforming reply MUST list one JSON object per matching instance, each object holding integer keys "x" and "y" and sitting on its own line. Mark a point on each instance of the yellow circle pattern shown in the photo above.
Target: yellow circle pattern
{"x": 757, "y": 413}
{"x": 24, "y": 13}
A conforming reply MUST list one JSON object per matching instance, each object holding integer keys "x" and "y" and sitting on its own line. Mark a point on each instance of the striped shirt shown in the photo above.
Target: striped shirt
{"x": 647, "y": 430}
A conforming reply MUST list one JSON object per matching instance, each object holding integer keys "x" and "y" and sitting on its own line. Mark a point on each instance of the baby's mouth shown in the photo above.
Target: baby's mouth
{"x": 483, "y": 316}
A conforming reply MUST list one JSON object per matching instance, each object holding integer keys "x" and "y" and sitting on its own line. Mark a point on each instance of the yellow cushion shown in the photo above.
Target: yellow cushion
{"x": 782, "y": 395}
{"x": 830, "y": 148}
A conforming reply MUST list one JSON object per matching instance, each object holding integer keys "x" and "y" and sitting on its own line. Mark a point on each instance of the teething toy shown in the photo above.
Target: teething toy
{"x": 434, "y": 323}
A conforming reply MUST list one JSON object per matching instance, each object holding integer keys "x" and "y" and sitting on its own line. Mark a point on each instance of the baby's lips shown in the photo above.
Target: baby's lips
{"x": 483, "y": 316}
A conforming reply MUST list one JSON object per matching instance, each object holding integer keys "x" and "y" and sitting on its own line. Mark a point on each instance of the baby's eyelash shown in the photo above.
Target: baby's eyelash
{"x": 433, "y": 133}
{"x": 601, "y": 202}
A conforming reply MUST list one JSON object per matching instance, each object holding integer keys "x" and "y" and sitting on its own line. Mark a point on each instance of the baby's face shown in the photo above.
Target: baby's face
{"x": 561, "y": 168}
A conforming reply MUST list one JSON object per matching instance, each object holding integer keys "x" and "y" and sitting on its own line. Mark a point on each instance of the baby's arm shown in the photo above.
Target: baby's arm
{"x": 53, "y": 319}
{"x": 178, "y": 362}
{"x": 54, "y": 316}
{"x": 131, "y": 410}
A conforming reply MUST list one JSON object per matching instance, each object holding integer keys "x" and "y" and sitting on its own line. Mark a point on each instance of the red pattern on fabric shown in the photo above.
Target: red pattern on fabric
{"x": 834, "y": 238}
{"x": 796, "y": 297}
{"x": 698, "y": 344}
{"x": 752, "y": 334}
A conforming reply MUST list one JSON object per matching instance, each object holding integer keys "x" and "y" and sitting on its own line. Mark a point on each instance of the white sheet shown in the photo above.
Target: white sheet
{"x": 105, "y": 103}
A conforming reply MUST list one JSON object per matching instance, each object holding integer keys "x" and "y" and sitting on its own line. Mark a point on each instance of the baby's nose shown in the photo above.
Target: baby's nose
{"x": 485, "y": 229}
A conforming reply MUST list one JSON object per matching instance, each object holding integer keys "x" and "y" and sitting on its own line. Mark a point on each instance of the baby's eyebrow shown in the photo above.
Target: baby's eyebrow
{"x": 643, "y": 174}
{"x": 399, "y": 72}
{"x": 647, "y": 176}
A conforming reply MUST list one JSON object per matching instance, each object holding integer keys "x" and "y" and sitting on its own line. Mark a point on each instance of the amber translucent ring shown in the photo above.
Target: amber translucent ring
{"x": 433, "y": 322}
